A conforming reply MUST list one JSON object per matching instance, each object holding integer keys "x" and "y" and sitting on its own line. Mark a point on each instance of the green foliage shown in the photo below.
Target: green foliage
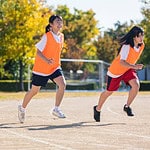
{"x": 145, "y": 86}
{"x": 21, "y": 24}
{"x": 106, "y": 48}
{"x": 79, "y": 29}
{"x": 145, "y": 23}
{"x": 11, "y": 86}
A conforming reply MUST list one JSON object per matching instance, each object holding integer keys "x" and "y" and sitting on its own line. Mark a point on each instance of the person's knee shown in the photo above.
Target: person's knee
{"x": 107, "y": 93}
{"x": 34, "y": 91}
{"x": 135, "y": 86}
{"x": 62, "y": 86}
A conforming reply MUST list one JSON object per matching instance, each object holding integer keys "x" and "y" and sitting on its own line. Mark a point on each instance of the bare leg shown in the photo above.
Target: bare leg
{"x": 61, "y": 83}
{"x": 33, "y": 91}
{"x": 134, "y": 90}
{"x": 104, "y": 95}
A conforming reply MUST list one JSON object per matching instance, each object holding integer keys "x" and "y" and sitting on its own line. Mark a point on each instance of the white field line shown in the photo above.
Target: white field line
{"x": 37, "y": 140}
{"x": 124, "y": 133}
{"x": 56, "y": 145}
{"x": 108, "y": 108}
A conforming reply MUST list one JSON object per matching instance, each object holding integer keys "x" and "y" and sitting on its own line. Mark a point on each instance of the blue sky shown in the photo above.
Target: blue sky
{"x": 107, "y": 12}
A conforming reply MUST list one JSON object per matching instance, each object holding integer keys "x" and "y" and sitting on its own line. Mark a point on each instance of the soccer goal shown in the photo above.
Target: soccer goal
{"x": 82, "y": 74}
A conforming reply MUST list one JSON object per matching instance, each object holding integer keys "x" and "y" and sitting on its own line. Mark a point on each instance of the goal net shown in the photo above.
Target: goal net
{"x": 82, "y": 73}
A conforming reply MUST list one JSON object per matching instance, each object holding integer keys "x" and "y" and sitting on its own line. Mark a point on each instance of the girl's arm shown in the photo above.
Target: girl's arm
{"x": 123, "y": 56}
{"x": 126, "y": 64}
{"x": 49, "y": 61}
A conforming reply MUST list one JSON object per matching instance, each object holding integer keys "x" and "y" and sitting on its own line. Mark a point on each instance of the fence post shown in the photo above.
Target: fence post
{"x": 101, "y": 74}
{"x": 28, "y": 77}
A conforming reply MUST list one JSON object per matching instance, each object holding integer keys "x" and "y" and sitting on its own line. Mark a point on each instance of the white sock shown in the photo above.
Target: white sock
{"x": 56, "y": 107}
{"x": 22, "y": 109}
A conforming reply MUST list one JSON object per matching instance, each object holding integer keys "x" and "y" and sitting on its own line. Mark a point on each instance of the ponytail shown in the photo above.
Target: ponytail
{"x": 48, "y": 28}
{"x": 51, "y": 20}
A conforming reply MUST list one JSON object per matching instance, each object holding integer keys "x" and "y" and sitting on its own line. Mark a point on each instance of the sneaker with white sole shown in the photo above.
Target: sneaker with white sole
{"x": 58, "y": 113}
{"x": 21, "y": 114}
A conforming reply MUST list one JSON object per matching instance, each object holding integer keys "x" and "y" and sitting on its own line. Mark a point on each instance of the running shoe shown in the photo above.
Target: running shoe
{"x": 128, "y": 110}
{"x": 21, "y": 114}
{"x": 58, "y": 113}
{"x": 96, "y": 114}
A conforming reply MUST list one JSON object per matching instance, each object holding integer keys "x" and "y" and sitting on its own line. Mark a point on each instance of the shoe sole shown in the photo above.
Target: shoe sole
{"x": 58, "y": 116}
{"x": 19, "y": 117}
{"x": 20, "y": 120}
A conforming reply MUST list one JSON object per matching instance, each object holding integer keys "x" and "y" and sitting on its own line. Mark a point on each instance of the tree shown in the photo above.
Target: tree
{"x": 106, "y": 47}
{"x": 22, "y": 23}
{"x": 79, "y": 30}
{"x": 145, "y": 23}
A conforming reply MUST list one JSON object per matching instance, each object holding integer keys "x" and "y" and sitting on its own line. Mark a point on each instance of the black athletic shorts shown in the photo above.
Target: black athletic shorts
{"x": 39, "y": 80}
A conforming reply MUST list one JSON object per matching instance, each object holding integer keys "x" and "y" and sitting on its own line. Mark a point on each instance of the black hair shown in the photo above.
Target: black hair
{"x": 48, "y": 28}
{"x": 51, "y": 20}
{"x": 128, "y": 38}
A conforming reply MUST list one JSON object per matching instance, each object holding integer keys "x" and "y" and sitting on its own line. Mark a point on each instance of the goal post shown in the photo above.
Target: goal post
{"x": 102, "y": 69}
{"x": 96, "y": 76}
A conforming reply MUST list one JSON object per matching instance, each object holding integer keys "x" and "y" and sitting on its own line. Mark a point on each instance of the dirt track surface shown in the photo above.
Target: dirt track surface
{"x": 42, "y": 131}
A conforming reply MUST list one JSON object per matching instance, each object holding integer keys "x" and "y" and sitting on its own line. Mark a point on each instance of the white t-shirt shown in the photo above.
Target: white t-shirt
{"x": 125, "y": 51}
{"x": 42, "y": 43}
{"x": 123, "y": 56}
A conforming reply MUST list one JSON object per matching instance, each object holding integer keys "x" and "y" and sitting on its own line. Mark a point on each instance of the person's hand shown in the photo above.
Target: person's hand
{"x": 139, "y": 66}
{"x": 50, "y": 61}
